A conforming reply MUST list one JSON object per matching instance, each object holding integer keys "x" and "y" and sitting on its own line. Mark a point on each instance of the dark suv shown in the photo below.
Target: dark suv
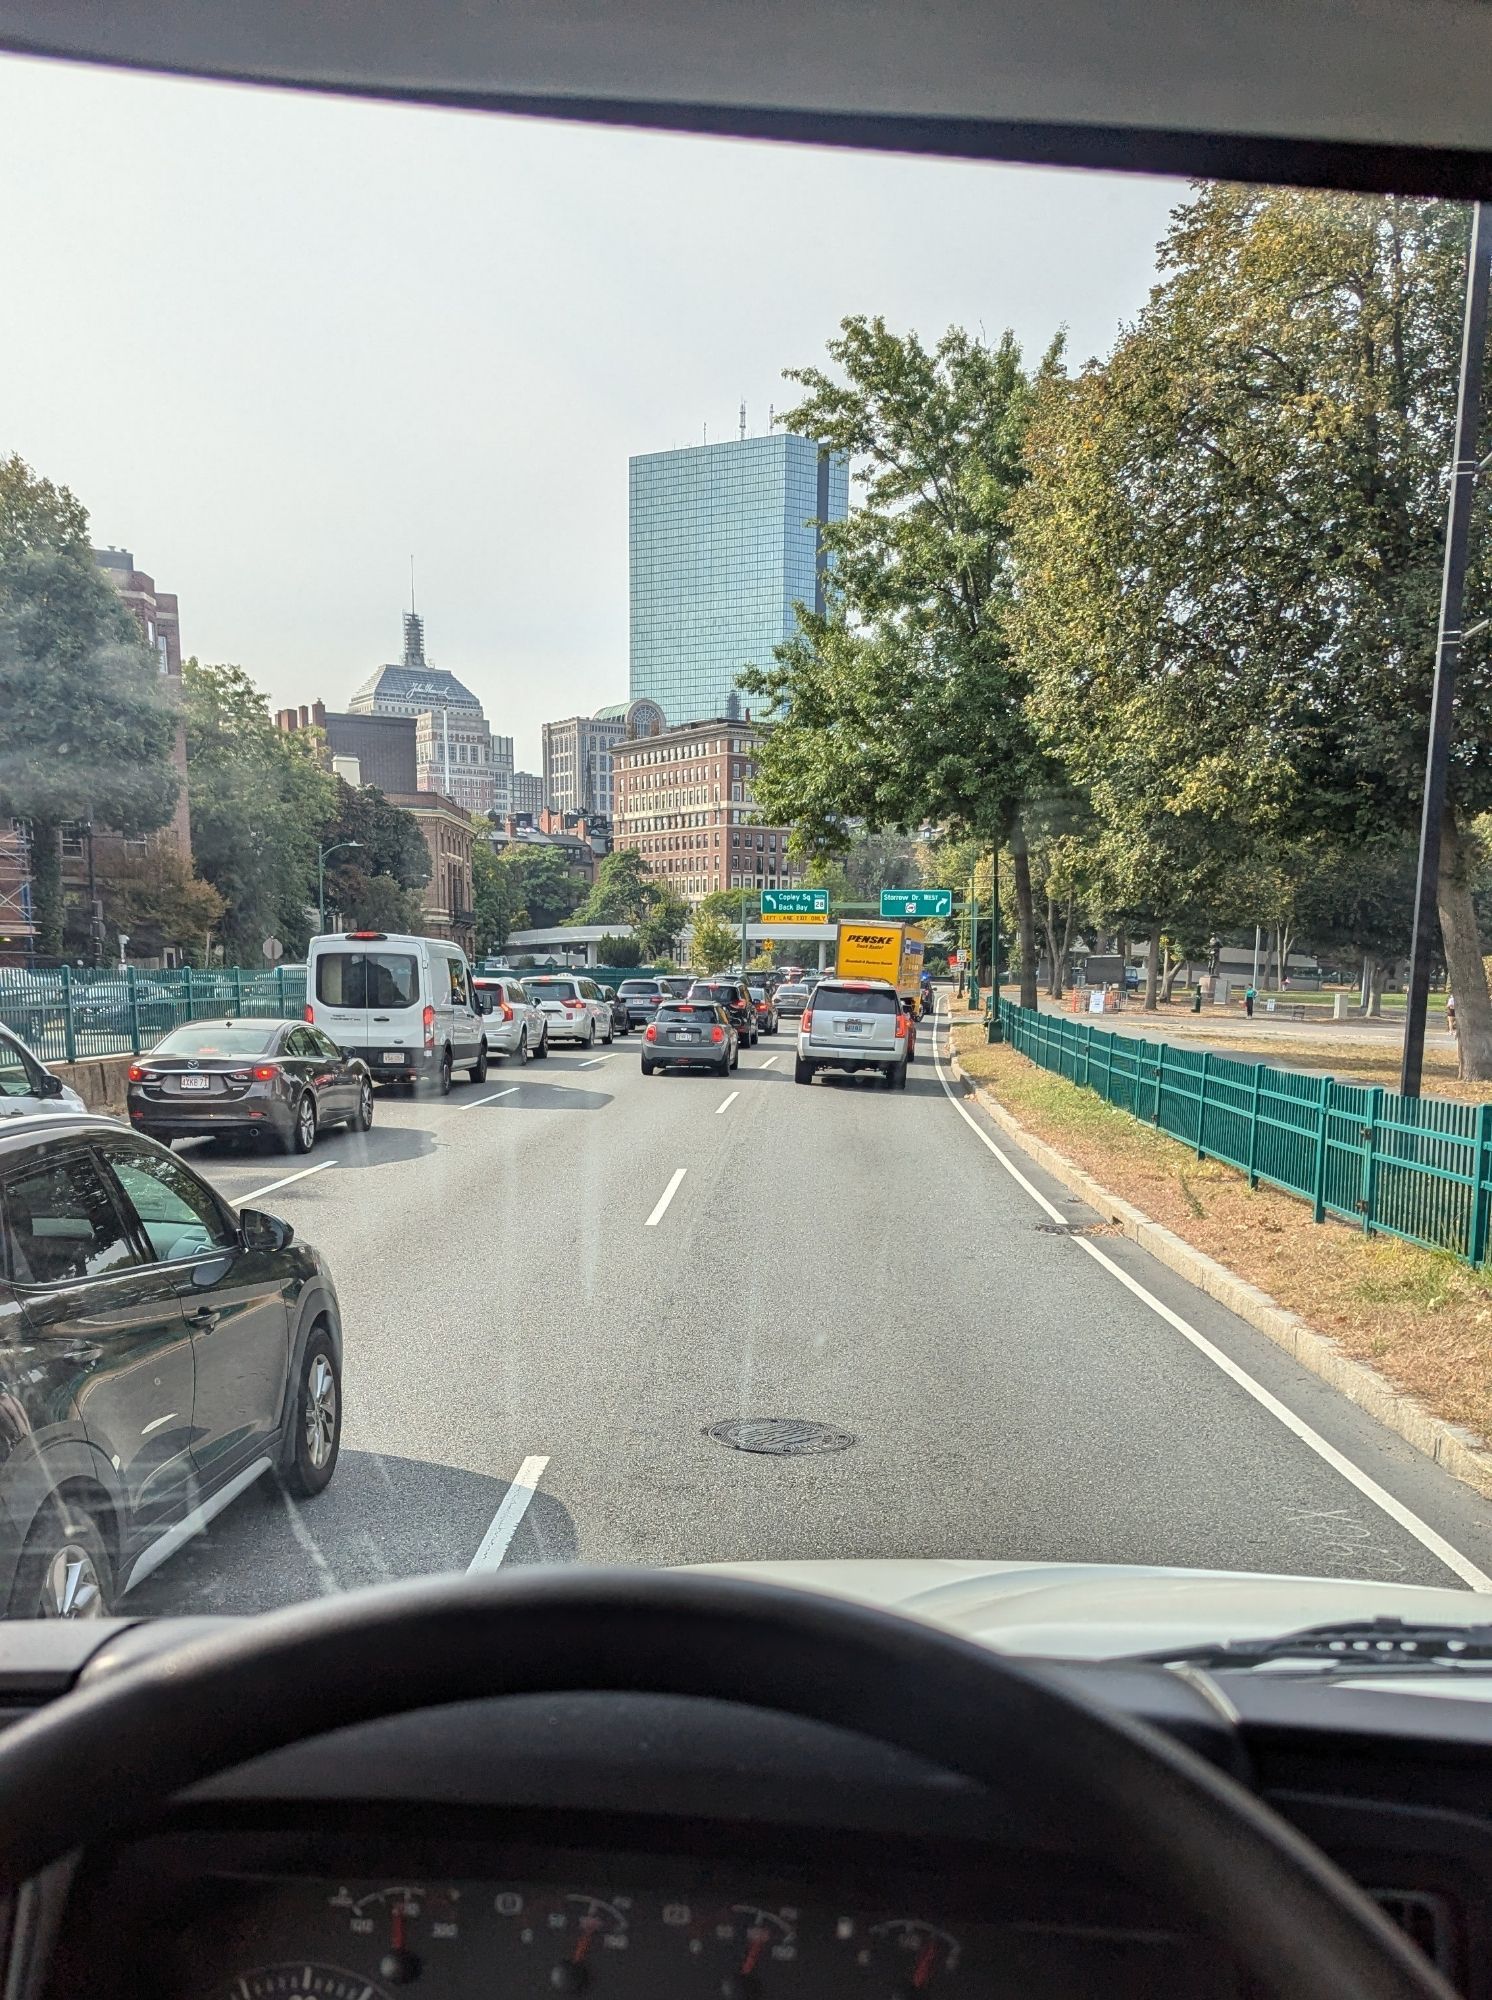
{"x": 735, "y": 997}
{"x": 159, "y": 1351}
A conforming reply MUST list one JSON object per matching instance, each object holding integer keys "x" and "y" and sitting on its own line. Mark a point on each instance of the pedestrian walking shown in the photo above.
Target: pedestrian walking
{"x": 1249, "y": 997}
{"x": 1450, "y": 1012}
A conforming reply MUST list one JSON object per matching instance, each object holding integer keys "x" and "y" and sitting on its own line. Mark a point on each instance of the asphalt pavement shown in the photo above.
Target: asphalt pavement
{"x": 553, "y": 1284}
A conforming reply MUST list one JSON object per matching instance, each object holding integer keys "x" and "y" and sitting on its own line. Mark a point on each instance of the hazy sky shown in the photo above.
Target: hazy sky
{"x": 277, "y": 343}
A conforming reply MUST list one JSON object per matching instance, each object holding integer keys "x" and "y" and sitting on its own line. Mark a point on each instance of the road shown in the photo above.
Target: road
{"x": 536, "y": 1346}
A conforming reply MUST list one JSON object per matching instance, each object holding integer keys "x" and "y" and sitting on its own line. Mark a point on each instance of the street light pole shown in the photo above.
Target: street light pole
{"x": 1464, "y": 469}
{"x": 321, "y": 854}
{"x": 743, "y": 933}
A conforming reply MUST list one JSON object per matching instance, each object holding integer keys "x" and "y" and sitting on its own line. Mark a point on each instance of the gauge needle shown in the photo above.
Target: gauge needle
{"x": 397, "y": 1939}
{"x": 758, "y": 1946}
{"x": 588, "y": 1928}
{"x": 925, "y": 1963}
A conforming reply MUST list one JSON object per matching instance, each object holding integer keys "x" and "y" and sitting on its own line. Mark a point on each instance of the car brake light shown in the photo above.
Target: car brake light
{"x": 807, "y": 1017}
{"x": 428, "y": 1018}
{"x": 265, "y": 1072}
{"x": 650, "y": 1033}
{"x": 135, "y": 1073}
{"x": 717, "y": 1033}
{"x": 309, "y": 1016}
{"x": 507, "y": 1011}
{"x": 367, "y": 934}
{"x": 903, "y": 1021}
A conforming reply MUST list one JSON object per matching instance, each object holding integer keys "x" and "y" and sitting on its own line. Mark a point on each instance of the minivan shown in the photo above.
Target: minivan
{"x": 404, "y": 1004}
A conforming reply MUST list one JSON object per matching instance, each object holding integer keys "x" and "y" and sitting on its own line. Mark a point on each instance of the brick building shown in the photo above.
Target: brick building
{"x": 158, "y": 617}
{"x": 448, "y": 834}
{"x": 683, "y": 798}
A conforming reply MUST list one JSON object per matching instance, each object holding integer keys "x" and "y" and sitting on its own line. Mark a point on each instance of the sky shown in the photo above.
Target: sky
{"x": 277, "y": 344}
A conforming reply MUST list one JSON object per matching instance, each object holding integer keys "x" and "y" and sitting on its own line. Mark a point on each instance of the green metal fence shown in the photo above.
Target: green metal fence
{"x": 1420, "y": 1168}
{"x": 65, "y": 1014}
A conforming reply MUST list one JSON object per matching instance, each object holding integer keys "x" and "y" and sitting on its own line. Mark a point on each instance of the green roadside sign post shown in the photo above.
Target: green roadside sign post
{"x": 914, "y": 904}
{"x": 795, "y": 902}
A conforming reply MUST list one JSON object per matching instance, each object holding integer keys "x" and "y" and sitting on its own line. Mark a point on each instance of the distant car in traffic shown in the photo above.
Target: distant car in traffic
{"x": 690, "y": 1034}
{"x": 402, "y": 1003}
{"x": 572, "y": 1006}
{"x": 514, "y": 1026}
{"x": 26, "y": 1084}
{"x": 621, "y": 1020}
{"x": 790, "y": 998}
{"x": 677, "y": 984}
{"x": 853, "y": 1025}
{"x": 724, "y": 990}
{"x": 642, "y": 998}
{"x": 279, "y": 1080}
{"x": 766, "y": 1010}
{"x": 163, "y": 1352}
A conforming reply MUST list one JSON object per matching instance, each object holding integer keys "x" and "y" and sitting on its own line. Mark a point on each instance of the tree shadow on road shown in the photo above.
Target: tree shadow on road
{"x": 382, "y": 1519}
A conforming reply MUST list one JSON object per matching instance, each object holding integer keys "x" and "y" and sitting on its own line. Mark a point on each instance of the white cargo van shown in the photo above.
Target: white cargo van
{"x": 404, "y": 1004}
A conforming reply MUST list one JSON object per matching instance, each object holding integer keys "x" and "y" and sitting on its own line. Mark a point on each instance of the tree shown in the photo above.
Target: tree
{"x": 496, "y": 893}
{"x": 903, "y": 704}
{"x": 713, "y": 945}
{"x": 1229, "y": 551}
{"x": 619, "y": 951}
{"x": 1361, "y": 898}
{"x": 259, "y": 806}
{"x": 87, "y": 728}
{"x": 624, "y": 891}
{"x": 156, "y": 900}
{"x": 389, "y": 844}
{"x": 541, "y": 885}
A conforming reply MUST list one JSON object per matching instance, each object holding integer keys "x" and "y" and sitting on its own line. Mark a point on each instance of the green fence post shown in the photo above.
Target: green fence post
{"x": 238, "y": 989}
{"x": 280, "y": 988}
{"x": 134, "y": 1006}
{"x": 69, "y": 1023}
{"x": 1254, "y": 1128}
{"x": 1318, "y": 1178}
{"x": 1367, "y": 1186}
{"x": 1160, "y": 1079}
{"x": 1202, "y": 1101}
{"x": 1483, "y": 1172}
{"x": 191, "y": 1011}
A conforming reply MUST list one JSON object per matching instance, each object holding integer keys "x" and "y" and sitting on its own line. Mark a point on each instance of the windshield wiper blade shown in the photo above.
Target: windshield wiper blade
{"x": 1366, "y": 1643}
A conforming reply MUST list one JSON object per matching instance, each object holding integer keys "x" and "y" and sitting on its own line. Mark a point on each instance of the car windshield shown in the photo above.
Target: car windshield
{"x": 432, "y": 540}
{"x": 246, "y": 1039}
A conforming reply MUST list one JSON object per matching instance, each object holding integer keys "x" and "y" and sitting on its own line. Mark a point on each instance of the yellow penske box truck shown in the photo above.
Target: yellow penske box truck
{"x": 874, "y": 949}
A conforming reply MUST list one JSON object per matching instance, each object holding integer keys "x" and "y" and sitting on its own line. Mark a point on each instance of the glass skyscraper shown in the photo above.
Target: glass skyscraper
{"x": 724, "y": 541}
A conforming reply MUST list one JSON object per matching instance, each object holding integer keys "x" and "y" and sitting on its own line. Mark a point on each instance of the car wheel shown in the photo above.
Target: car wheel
{"x": 523, "y": 1052}
{"x": 647, "y": 1067}
{"x": 362, "y": 1118}
{"x": 301, "y": 1136}
{"x": 543, "y": 1049}
{"x": 735, "y": 1061}
{"x": 802, "y": 1071}
{"x": 65, "y": 1570}
{"x": 590, "y": 1034}
{"x": 724, "y": 1066}
{"x": 478, "y": 1070}
{"x": 606, "y": 1039}
{"x": 901, "y": 1074}
{"x": 443, "y": 1082}
{"x": 314, "y": 1437}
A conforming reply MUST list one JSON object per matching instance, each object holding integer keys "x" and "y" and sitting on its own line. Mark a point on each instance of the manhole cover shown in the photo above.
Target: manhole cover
{"x": 779, "y": 1437}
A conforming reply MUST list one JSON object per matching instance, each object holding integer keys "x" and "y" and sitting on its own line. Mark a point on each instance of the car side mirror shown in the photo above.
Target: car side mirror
{"x": 51, "y": 1086}
{"x": 258, "y": 1231}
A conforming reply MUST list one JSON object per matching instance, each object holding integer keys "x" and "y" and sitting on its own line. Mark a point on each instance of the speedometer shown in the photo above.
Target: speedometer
{"x": 300, "y": 1981}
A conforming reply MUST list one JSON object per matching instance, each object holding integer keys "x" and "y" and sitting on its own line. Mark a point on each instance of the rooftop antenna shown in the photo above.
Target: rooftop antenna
{"x": 743, "y": 419}
{"x": 707, "y": 430}
{"x": 771, "y": 417}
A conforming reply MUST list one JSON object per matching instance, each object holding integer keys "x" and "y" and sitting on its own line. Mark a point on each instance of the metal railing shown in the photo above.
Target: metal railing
{"x": 63, "y": 1014}
{"x": 1419, "y": 1168}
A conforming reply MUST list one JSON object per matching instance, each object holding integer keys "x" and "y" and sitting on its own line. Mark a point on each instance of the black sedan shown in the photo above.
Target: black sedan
{"x": 284, "y": 1080}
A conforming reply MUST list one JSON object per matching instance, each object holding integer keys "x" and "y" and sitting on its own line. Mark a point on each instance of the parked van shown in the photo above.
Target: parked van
{"x": 404, "y": 1004}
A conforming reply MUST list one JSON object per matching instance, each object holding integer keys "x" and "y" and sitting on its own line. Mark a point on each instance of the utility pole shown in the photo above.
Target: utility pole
{"x": 743, "y": 933}
{"x": 995, "y": 1032}
{"x": 1464, "y": 470}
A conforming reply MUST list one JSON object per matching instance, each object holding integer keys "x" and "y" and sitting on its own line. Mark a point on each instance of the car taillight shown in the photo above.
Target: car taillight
{"x": 650, "y": 1032}
{"x": 507, "y": 1011}
{"x": 807, "y": 1017}
{"x": 903, "y": 1022}
{"x": 429, "y": 1021}
{"x": 309, "y": 1016}
{"x": 135, "y": 1073}
{"x": 265, "y": 1072}
{"x": 717, "y": 1033}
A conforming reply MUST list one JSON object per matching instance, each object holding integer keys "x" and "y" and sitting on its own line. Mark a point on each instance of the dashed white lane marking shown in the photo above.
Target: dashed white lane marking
{"x": 728, "y": 1103}
{"x": 471, "y": 1103}
{"x": 1407, "y": 1519}
{"x": 495, "y": 1543}
{"x": 594, "y": 1060}
{"x": 768, "y": 1063}
{"x": 319, "y": 1168}
{"x": 665, "y": 1198}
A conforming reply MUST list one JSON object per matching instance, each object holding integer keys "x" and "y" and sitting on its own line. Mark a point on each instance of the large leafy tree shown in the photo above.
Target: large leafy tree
{"x": 903, "y": 704}
{"x": 259, "y": 807}
{"x": 625, "y": 891}
{"x": 85, "y": 727}
{"x": 713, "y": 945}
{"x": 376, "y": 884}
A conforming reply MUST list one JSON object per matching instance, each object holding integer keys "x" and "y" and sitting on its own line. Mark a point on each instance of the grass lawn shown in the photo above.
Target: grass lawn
{"x": 1420, "y": 1317}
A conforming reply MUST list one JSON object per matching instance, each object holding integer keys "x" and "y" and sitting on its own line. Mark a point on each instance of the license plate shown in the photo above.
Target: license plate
{"x": 854, "y": 1027}
{"x": 196, "y": 1083}
{"x": 392, "y": 1056}
{"x": 688, "y": 1035}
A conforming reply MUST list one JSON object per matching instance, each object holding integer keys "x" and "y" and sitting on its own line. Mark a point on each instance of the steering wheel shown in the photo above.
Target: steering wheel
{"x": 88, "y": 1765}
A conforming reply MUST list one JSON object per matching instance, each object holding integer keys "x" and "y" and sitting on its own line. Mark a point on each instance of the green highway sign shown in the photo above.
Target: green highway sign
{"x": 916, "y": 902}
{"x": 795, "y": 902}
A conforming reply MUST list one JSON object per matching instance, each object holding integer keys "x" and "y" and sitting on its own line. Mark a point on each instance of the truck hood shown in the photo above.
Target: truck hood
{"x": 1094, "y": 1611}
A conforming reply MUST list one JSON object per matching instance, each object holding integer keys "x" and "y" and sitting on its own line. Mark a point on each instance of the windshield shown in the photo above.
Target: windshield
{"x": 432, "y": 540}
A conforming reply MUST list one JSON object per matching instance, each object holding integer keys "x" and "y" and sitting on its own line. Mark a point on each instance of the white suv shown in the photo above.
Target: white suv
{"x": 574, "y": 1008}
{"x": 854, "y": 1024}
{"x": 514, "y": 1025}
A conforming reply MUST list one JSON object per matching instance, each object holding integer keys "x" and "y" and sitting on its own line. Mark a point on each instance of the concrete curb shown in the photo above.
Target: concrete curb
{"x": 1458, "y": 1451}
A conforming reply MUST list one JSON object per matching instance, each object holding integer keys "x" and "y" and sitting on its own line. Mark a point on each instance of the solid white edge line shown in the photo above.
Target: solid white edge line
{"x": 319, "y": 1168}
{"x": 1407, "y": 1519}
{"x": 495, "y": 1543}
{"x": 665, "y": 1198}
{"x": 473, "y": 1103}
{"x": 728, "y": 1103}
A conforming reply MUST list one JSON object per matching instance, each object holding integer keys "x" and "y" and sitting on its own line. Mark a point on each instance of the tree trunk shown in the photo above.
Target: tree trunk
{"x": 1174, "y": 970}
{"x": 1152, "y": 970}
{"x": 1066, "y": 948}
{"x": 1463, "y": 957}
{"x": 1025, "y": 914}
{"x": 1378, "y": 973}
{"x": 46, "y": 886}
{"x": 1049, "y": 925}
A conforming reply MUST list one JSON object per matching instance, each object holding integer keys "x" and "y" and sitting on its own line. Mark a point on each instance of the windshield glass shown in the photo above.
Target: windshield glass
{"x": 432, "y": 540}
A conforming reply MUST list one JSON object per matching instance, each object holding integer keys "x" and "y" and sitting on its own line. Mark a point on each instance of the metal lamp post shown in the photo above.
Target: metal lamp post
{"x": 321, "y": 854}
